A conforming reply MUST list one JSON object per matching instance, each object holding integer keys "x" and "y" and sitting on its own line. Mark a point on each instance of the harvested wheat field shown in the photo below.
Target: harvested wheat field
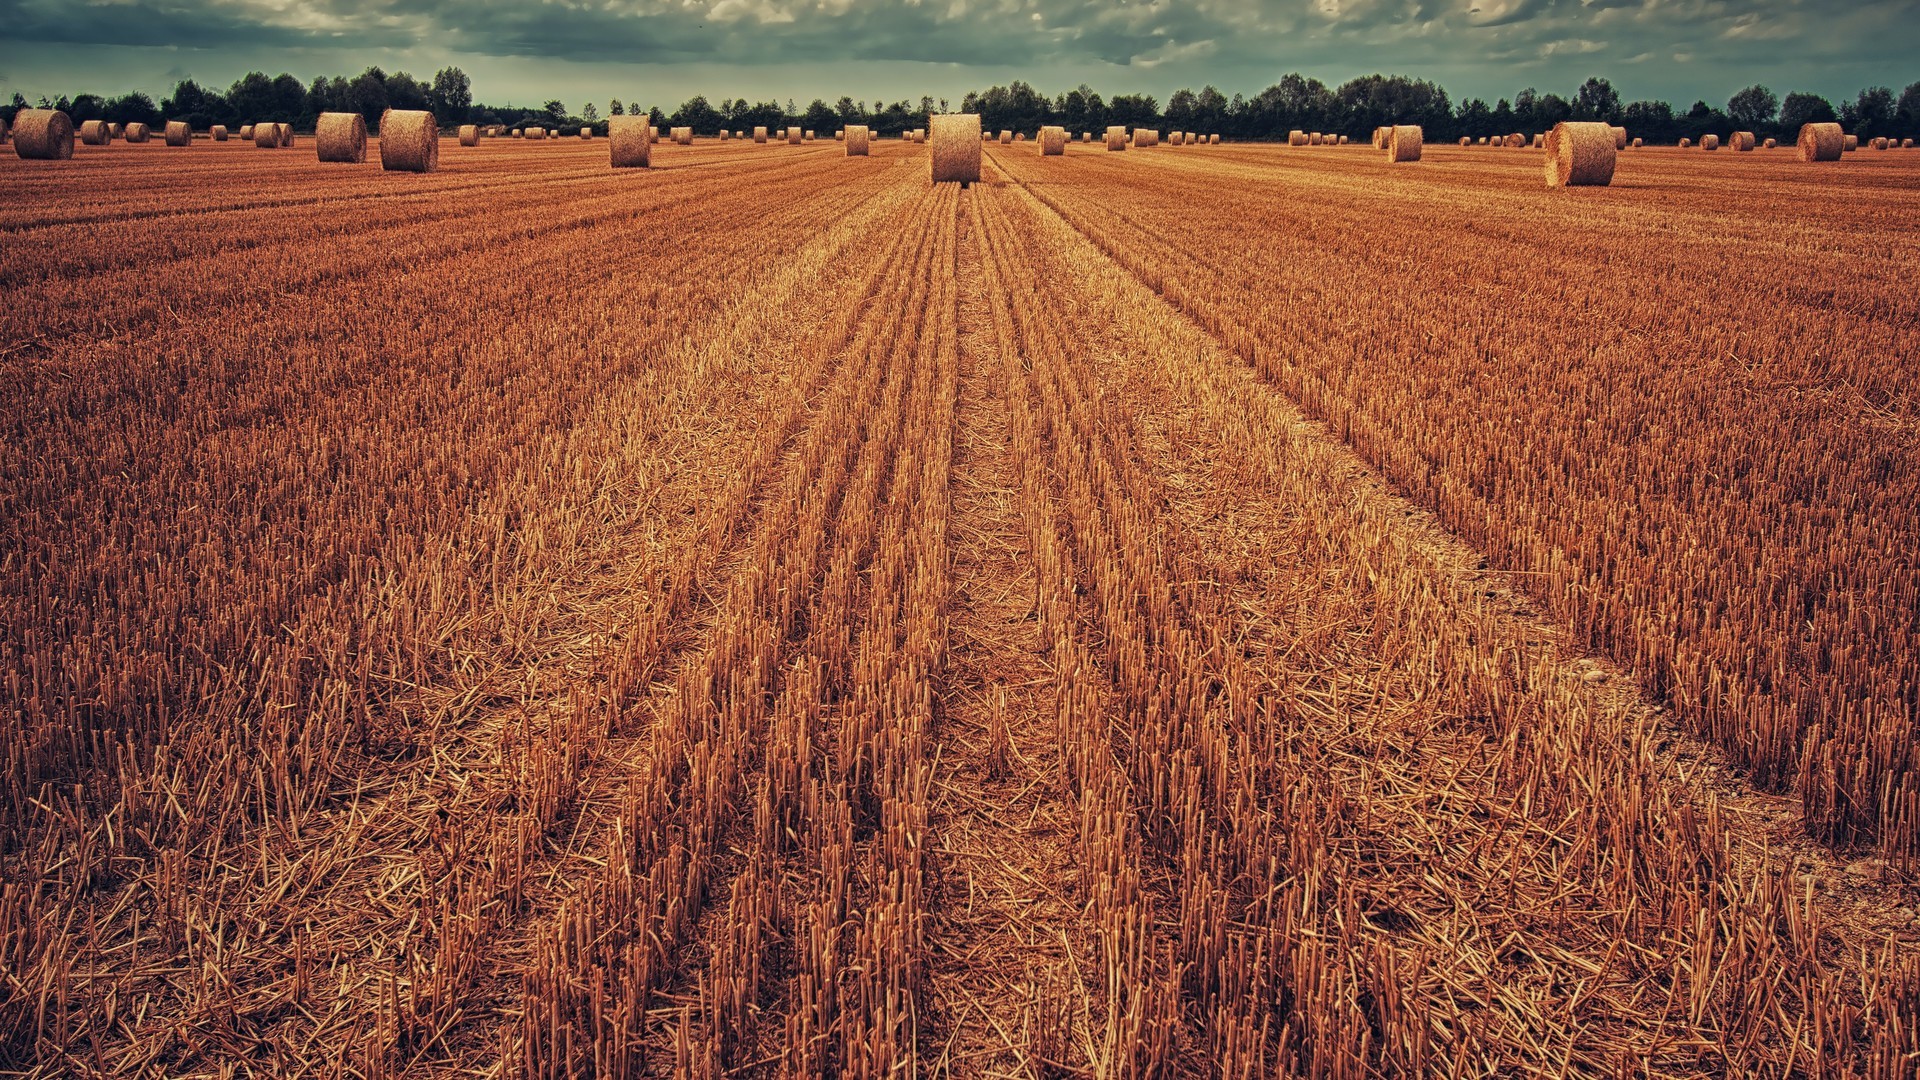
{"x": 1039, "y": 628}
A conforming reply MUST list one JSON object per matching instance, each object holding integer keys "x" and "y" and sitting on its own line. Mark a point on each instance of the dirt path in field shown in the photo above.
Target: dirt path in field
{"x": 1008, "y": 925}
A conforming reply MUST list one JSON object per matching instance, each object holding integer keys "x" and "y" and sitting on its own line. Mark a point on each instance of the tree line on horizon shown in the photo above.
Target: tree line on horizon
{"x": 1296, "y": 102}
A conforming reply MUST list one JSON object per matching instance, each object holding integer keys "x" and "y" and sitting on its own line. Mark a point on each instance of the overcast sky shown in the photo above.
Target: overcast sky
{"x": 664, "y": 51}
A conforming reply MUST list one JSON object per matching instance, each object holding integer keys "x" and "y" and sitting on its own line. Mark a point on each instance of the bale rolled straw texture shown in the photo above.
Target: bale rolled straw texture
{"x": 4, "y": 130}
{"x": 119, "y": 130}
{"x": 179, "y": 133}
{"x": 246, "y": 132}
{"x": 920, "y": 135}
{"x": 1006, "y": 137}
{"x": 809, "y": 135}
{"x": 1380, "y": 137}
{"x": 1906, "y": 144}
{"x": 1741, "y": 142}
{"x": 1821, "y": 142}
{"x": 1296, "y": 137}
{"x": 1483, "y": 140}
{"x": 286, "y": 134}
{"x": 683, "y": 136}
{"x": 1709, "y": 142}
{"x": 1516, "y": 141}
{"x": 409, "y": 141}
{"x": 1638, "y": 143}
{"x": 519, "y": 133}
{"x": 1686, "y": 142}
{"x": 266, "y": 135}
{"x": 42, "y": 135}
{"x": 1053, "y": 141}
{"x": 469, "y": 135}
{"x": 859, "y": 137}
{"x": 341, "y": 137}
{"x": 628, "y": 143}
{"x": 956, "y": 147}
{"x": 793, "y": 136}
{"x": 1213, "y": 140}
{"x": 1770, "y": 144}
{"x": 219, "y": 132}
{"x": 1116, "y": 138}
{"x": 653, "y": 133}
{"x": 1146, "y": 137}
{"x": 535, "y": 132}
{"x": 840, "y": 135}
{"x": 759, "y": 134}
{"x": 1619, "y": 138}
{"x": 1539, "y": 140}
{"x": 1580, "y": 155}
{"x": 1465, "y": 141}
{"x": 1879, "y": 144}
{"x": 1849, "y": 143}
{"x": 136, "y": 132}
{"x": 586, "y": 132}
{"x": 94, "y": 132}
{"x": 1342, "y": 140}
{"x": 1313, "y": 138}
{"x": 1403, "y": 142}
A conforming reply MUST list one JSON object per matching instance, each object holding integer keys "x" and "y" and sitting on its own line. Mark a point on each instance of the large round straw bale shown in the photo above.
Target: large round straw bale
{"x": 342, "y": 137}
{"x": 286, "y": 134}
{"x": 1906, "y": 144}
{"x": 264, "y": 135}
{"x": 1619, "y": 138}
{"x": 1174, "y": 139}
{"x": 858, "y": 137}
{"x": 627, "y": 139}
{"x": 793, "y": 136}
{"x": 1053, "y": 141}
{"x": 956, "y": 147}
{"x": 1380, "y": 137}
{"x": 118, "y": 129}
{"x": 1880, "y": 144}
{"x": 469, "y": 135}
{"x": 94, "y": 132}
{"x": 409, "y": 141}
{"x": 1516, "y": 141}
{"x": 1116, "y": 138}
{"x": 3, "y": 130}
{"x": 136, "y": 132}
{"x": 1821, "y": 142}
{"x": 535, "y": 131}
{"x": 1213, "y": 140}
{"x": 680, "y": 135}
{"x": 1580, "y": 155}
{"x": 42, "y": 135}
{"x": 219, "y": 132}
{"x": 1313, "y": 138}
{"x": 920, "y": 135}
{"x": 840, "y": 135}
{"x": 1741, "y": 141}
{"x": 1296, "y": 137}
{"x": 1403, "y": 142}
{"x": 1146, "y": 137}
{"x": 1539, "y": 140}
{"x": 725, "y": 134}
{"x": 1709, "y": 142}
{"x": 1006, "y": 137}
{"x": 179, "y": 133}
{"x": 1849, "y": 143}
{"x": 759, "y": 134}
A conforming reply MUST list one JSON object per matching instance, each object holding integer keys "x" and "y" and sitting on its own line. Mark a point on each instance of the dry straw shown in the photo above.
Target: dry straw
{"x": 1296, "y": 137}
{"x": 1380, "y": 137}
{"x": 469, "y": 135}
{"x": 1314, "y": 139}
{"x": 956, "y": 147}
{"x": 1619, "y": 138}
{"x": 858, "y": 137}
{"x": 246, "y": 132}
{"x": 536, "y": 132}
{"x": 409, "y": 141}
{"x": 1686, "y": 142}
{"x": 1821, "y": 142}
{"x": 1213, "y": 140}
{"x": 266, "y": 136}
{"x": 1053, "y": 141}
{"x": 341, "y": 137}
{"x": 1741, "y": 142}
{"x": 793, "y": 136}
{"x": 42, "y": 135}
{"x": 683, "y": 136}
{"x": 1849, "y": 143}
{"x": 1880, "y": 144}
{"x": 1464, "y": 141}
{"x": 840, "y": 135}
{"x": 138, "y": 133}
{"x": 1116, "y": 138}
{"x": 1006, "y": 137}
{"x": 1770, "y": 144}
{"x": 1906, "y": 144}
{"x": 286, "y": 134}
{"x": 1539, "y": 140}
{"x": 179, "y": 133}
{"x": 95, "y": 132}
{"x": 219, "y": 132}
{"x": 119, "y": 130}
{"x": 1580, "y": 155}
{"x": 1638, "y": 143}
{"x": 628, "y": 142}
{"x": 1174, "y": 138}
{"x": 809, "y": 135}
{"x": 920, "y": 135}
{"x": 1709, "y": 142}
{"x": 586, "y": 132}
{"x": 1403, "y": 142}
{"x": 1146, "y": 137}
{"x": 759, "y": 134}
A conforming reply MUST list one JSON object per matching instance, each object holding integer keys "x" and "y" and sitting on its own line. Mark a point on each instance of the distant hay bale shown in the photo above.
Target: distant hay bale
{"x": 1086, "y": 136}
{"x": 1019, "y": 136}
{"x": 859, "y": 136}
{"x": 179, "y": 133}
{"x": 1821, "y": 142}
{"x": 1638, "y": 143}
{"x": 1770, "y": 144}
{"x": 1006, "y": 137}
{"x": 793, "y": 136}
{"x": 1905, "y": 144}
{"x": 469, "y": 135}
{"x": 1709, "y": 142}
{"x": 586, "y": 132}
{"x": 1146, "y": 137}
{"x": 1619, "y": 138}
{"x": 1380, "y": 137}
{"x": 760, "y": 134}
{"x": 136, "y": 131}
{"x": 956, "y": 147}
{"x": 1465, "y": 141}
{"x": 809, "y": 135}
{"x": 1849, "y": 143}
{"x": 1342, "y": 140}
{"x": 1174, "y": 139}
{"x": 246, "y": 132}
{"x": 1053, "y": 141}
{"x": 1741, "y": 142}
{"x": 266, "y": 136}
{"x": 1539, "y": 140}
{"x": 1880, "y": 144}
{"x": 1580, "y": 155}
{"x": 1686, "y": 142}
{"x": 342, "y": 137}
{"x": 519, "y": 133}
{"x": 1213, "y": 140}
{"x": 42, "y": 135}
{"x": 535, "y": 132}
{"x": 94, "y": 132}
{"x": 118, "y": 130}
{"x": 1483, "y": 141}
{"x": 1116, "y": 138}
{"x": 409, "y": 141}
{"x": 1404, "y": 142}
{"x": 725, "y": 134}
{"x": 219, "y": 132}
{"x": 920, "y": 135}
{"x": 1315, "y": 138}
{"x": 628, "y": 143}
{"x": 682, "y": 136}
{"x": 286, "y": 134}
{"x": 1296, "y": 137}
{"x": 1516, "y": 141}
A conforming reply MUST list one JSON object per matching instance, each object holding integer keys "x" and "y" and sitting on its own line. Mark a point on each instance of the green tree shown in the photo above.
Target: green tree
{"x": 1596, "y": 100}
{"x": 451, "y": 96}
{"x": 1754, "y": 108}
{"x": 1801, "y": 108}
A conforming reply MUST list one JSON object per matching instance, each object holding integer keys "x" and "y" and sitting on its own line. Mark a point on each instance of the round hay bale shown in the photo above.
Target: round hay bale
{"x": 1709, "y": 142}
{"x": 286, "y": 134}
{"x": 3, "y": 130}
{"x": 793, "y": 136}
{"x": 840, "y": 135}
{"x": 586, "y": 132}
{"x": 920, "y": 135}
{"x": 136, "y": 131}
{"x": 1342, "y": 141}
{"x": 469, "y": 135}
{"x": 1146, "y": 137}
{"x": 409, "y": 141}
{"x": 1539, "y": 140}
{"x": 1380, "y": 137}
{"x": 1516, "y": 141}
{"x": 1770, "y": 144}
{"x": 858, "y": 138}
{"x": 1821, "y": 142}
{"x": 1686, "y": 143}
{"x": 1482, "y": 142}
{"x": 1403, "y": 142}
{"x": 219, "y": 132}
{"x": 1849, "y": 143}
{"x": 1741, "y": 142}
{"x": 1465, "y": 141}
{"x": 266, "y": 136}
{"x": 1116, "y": 138}
{"x": 653, "y": 133}
{"x": 95, "y": 132}
{"x": 1906, "y": 144}
{"x": 1173, "y": 138}
{"x": 809, "y": 135}
{"x": 179, "y": 133}
{"x": 1314, "y": 138}
{"x": 535, "y": 132}
{"x": 759, "y": 134}
{"x": 1006, "y": 137}
{"x": 1213, "y": 140}
{"x": 725, "y": 134}
{"x": 119, "y": 130}
{"x": 1880, "y": 144}
{"x": 1638, "y": 143}
{"x": 956, "y": 147}
{"x": 1053, "y": 141}
{"x": 1296, "y": 137}
{"x": 519, "y": 134}
{"x": 42, "y": 135}
{"x": 1580, "y": 155}
{"x": 627, "y": 142}
{"x": 681, "y": 136}
{"x": 341, "y": 138}
{"x": 246, "y": 132}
